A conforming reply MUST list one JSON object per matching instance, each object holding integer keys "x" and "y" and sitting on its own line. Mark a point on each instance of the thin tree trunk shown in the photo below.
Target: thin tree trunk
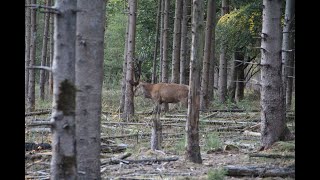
{"x": 204, "y": 96}
{"x": 233, "y": 81}
{"x": 129, "y": 104}
{"x": 212, "y": 57}
{"x": 27, "y": 48}
{"x": 156, "y": 43}
{"x": 176, "y": 43}
{"x": 223, "y": 61}
{"x": 31, "y": 84}
{"x": 184, "y": 38}
{"x": 192, "y": 126}
{"x": 165, "y": 47}
{"x": 239, "y": 93}
{"x": 156, "y": 132}
{"x": 273, "y": 126}
{"x": 89, "y": 78}
{"x": 44, "y": 52}
{"x": 124, "y": 67}
{"x": 161, "y": 39}
{"x": 63, "y": 161}
{"x": 287, "y": 54}
{"x": 51, "y": 51}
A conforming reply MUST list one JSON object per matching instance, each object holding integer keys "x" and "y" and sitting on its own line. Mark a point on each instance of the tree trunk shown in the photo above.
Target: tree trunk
{"x": 129, "y": 104}
{"x": 212, "y": 56}
{"x": 184, "y": 40}
{"x": 192, "y": 126}
{"x": 156, "y": 43}
{"x": 31, "y": 84}
{"x": 89, "y": 78}
{"x": 63, "y": 161}
{"x": 44, "y": 51}
{"x": 204, "y": 96}
{"x": 239, "y": 93}
{"x": 156, "y": 134}
{"x": 176, "y": 42}
{"x": 51, "y": 51}
{"x": 161, "y": 39}
{"x": 287, "y": 54}
{"x": 124, "y": 68}
{"x": 273, "y": 126}
{"x": 223, "y": 61}
{"x": 233, "y": 78}
{"x": 165, "y": 47}
{"x": 27, "y": 48}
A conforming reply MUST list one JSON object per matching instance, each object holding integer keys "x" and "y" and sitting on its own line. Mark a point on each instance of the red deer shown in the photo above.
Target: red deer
{"x": 164, "y": 92}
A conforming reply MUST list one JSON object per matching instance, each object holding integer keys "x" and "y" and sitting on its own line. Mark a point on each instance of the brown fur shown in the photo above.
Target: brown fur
{"x": 164, "y": 92}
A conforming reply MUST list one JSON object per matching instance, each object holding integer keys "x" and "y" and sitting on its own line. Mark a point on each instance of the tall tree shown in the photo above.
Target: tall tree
{"x": 63, "y": 161}
{"x": 233, "y": 78}
{"x": 204, "y": 97}
{"x": 184, "y": 39}
{"x": 192, "y": 126}
{"x": 287, "y": 51}
{"x": 27, "y": 48}
{"x": 212, "y": 55}
{"x": 89, "y": 78}
{"x": 124, "y": 66}
{"x": 161, "y": 39}
{"x": 156, "y": 43}
{"x": 51, "y": 52}
{"x": 129, "y": 104}
{"x": 239, "y": 93}
{"x": 273, "y": 123}
{"x": 223, "y": 61}
{"x": 44, "y": 51}
{"x": 176, "y": 42}
{"x": 31, "y": 84}
{"x": 165, "y": 47}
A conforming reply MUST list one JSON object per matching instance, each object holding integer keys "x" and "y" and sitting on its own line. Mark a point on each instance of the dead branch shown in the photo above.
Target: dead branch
{"x": 37, "y": 113}
{"x": 260, "y": 171}
{"x": 39, "y": 123}
{"x": 251, "y": 133}
{"x": 149, "y": 160}
{"x": 40, "y": 130}
{"x": 40, "y": 67}
{"x": 271, "y": 155}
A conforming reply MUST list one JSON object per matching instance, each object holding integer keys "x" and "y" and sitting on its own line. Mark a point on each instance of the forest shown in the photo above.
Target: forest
{"x": 160, "y": 89}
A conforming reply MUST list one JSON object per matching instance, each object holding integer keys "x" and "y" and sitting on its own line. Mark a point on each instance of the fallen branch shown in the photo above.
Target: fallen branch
{"x": 37, "y": 113}
{"x": 271, "y": 155}
{"x": 251, "y": 133}
{"x": 151, "y": 160}
{"x": 260, "y": 171}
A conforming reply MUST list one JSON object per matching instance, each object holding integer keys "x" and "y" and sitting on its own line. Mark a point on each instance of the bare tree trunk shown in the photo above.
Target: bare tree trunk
{"x": 192, "y": 126}
{"x": 63, "y": 161}
{"x": 204, "y": 96}
{"x": 240, "y": 78}
{"x": 233, "y": 81}
{"x": 51, "y": 51}
{"x": 273, "y": 123}
{"x": 31, "y": 84}
{"x": 287, "y": 54}
{"x": 223, "y": 61}
{"x": 176, "y": 43}
{"x": 129, "y": 104}
{"x": 156, "y": 42}
{"x": 44, "y": 51}
{"x": 124, "y": 68}
{"x": 212, "y": 56}
{"x": 156, "y": 132}
{"x": 184, "y": 39}
{"x": 161, "y": 39}
{"x": 27, "y": 48}
{"x": 89, "y": 78}
{"x": 165, "y": 47}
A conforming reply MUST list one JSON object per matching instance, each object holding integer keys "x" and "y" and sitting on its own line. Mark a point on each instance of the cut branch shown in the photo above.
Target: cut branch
{"x": 40, "y": 67}
{"x": 260, "y": 171}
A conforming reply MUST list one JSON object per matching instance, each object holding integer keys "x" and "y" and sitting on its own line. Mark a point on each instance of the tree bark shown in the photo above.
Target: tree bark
{"x": 51, "y": 51}
{"x": 44, "y": 52}
{"x": 273, "y": 126}
{"x": 63, "y": 162}
{"x": 223, "y": 61}
{"x": 233, "y": 78}
{"x": 89, "y": 78}
{"x": 156, "y": 43}
{"x": 129, "y": 104}
{"x": 161, "y": 39}
{"x": 192, "y": 126}
{"x": 239, "y": 92}
{"x": 124, "y": 68}
{"x": 287, "y": 56}
{"x": 254, "y": 171}
{"x": 27, "y": 48}
{"x": 31, "y": 84}
{"x": 212, "y": 57}
{"x": 184, "y": 40}
{"x": 204, "y": 96}
{"x": 165, "y": 47}
{"x": 176, "y": 43}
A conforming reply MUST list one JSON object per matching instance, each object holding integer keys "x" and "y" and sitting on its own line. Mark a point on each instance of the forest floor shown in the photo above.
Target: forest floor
{"x": 226, "y": 139}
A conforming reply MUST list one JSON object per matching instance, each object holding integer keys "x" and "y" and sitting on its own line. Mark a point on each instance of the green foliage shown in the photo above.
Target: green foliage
{"x": 217, "y": 174}
{"x": 212, "y": 141}
{"x": 237, "y": 29}
{"x": 180, "y": 146}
